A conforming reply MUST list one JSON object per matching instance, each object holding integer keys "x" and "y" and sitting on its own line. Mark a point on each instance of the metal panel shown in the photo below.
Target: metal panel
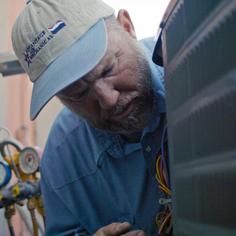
{"x": 9, "y": 64}
{"x": 199, "y": 54}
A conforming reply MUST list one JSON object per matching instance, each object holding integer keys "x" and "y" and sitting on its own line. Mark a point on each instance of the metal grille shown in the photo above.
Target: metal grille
{"x": 199, "y": 48}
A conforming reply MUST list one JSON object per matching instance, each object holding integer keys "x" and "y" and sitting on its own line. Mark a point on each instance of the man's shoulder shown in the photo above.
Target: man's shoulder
{"x": 148, "y": 43}
{"x": 157, "y": 73}
{"x": 64, "y": 124}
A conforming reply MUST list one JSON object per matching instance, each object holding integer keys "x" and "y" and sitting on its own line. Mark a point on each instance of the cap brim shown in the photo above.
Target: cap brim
{"x": 74, "y": 62}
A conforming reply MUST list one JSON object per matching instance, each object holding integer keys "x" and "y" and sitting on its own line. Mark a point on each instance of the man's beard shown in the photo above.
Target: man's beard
{"x": 134, "y": 122}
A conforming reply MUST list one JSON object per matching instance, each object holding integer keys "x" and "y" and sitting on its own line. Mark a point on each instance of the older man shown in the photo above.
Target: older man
{"x": 98, "y": 168}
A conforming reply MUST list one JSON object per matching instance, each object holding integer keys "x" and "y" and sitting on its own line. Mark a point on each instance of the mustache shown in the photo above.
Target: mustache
{"x": 139, "y": 100}
{"x": 133, "y": 122}
{"x": 121, "y": 105}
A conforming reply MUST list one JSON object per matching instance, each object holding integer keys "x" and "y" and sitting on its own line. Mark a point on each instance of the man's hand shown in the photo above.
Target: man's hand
{"x": 116, "y": 229}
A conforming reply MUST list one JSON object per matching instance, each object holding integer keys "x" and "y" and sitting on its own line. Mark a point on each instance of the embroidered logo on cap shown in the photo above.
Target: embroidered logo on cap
{"x": 57, "y": 27}
{"x": 41, "y": 40}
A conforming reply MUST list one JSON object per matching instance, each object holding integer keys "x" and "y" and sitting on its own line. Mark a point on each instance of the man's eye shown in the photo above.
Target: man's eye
{"x": 79, "y": 96}
{"x": 107, "y": 71}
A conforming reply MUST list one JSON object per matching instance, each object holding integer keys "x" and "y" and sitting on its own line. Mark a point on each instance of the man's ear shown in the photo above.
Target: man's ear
{"x": 124, "y": 18}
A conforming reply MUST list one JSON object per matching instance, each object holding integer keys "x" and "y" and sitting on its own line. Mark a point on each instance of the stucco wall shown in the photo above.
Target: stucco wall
{"x": 15, "y": 93}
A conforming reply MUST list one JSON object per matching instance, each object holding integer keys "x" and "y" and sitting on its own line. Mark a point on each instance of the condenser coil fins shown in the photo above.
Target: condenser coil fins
{"x": 199, "y": 55}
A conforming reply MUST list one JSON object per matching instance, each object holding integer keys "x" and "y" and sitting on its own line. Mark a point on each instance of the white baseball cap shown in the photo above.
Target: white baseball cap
{"x": 57, "y": 42}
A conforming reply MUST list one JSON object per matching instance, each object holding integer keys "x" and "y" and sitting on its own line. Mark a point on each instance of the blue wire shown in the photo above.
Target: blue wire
{"x": 163, "y": 159}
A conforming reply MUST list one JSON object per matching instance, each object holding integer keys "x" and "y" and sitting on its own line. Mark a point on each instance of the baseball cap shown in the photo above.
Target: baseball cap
{"x": 57, "y": 42}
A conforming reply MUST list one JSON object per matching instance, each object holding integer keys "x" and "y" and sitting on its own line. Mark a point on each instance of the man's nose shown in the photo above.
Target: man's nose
{"x": 105, "y": 93}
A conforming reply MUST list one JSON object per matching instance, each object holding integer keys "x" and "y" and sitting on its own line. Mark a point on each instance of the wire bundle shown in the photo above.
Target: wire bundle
{"x": 163, "y": 219}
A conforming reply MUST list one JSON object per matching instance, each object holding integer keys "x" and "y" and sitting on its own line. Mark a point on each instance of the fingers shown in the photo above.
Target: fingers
{"x": 134, "y": 233}
{"x": 114, "y": 229}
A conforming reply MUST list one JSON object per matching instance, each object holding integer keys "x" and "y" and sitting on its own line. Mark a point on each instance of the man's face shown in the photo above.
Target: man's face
{"x": 116, "y": 95}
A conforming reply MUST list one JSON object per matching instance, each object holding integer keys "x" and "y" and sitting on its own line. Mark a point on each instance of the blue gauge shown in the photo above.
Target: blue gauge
{"x": 5, "y": 174}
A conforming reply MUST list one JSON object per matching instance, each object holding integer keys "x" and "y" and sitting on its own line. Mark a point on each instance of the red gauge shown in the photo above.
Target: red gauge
{"x": 28, "y": 160}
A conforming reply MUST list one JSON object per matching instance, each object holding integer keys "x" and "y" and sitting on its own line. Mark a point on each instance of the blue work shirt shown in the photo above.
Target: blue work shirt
{"x": 91, "y": 178}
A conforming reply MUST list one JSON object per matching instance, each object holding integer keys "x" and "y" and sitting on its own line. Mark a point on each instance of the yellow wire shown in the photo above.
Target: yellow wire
{"x": 165, "y": 218}
{"x": 162, "y": 185}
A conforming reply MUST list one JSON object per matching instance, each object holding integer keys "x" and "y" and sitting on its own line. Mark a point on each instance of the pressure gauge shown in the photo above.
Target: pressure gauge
{"x": 5, "y": 174}
{"x": 28, "y": 160}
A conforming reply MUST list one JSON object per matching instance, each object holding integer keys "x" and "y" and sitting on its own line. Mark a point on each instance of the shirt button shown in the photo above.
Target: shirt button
{"x": 148, "y": 149}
